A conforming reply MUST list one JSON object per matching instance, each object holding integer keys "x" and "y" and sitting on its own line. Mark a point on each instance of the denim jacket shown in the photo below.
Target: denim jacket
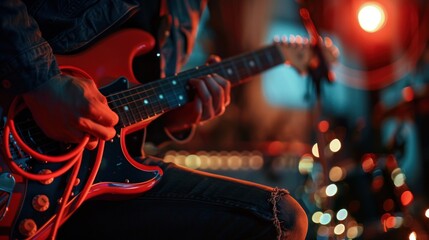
{"x": 31, "y": 31}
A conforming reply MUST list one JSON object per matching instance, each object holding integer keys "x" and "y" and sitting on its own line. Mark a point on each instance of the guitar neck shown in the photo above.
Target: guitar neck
{"x": 145, "y": 101}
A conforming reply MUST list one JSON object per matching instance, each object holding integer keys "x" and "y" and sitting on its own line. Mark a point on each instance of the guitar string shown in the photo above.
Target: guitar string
{"x": 163, "y": 84}
{"x": 50, "y": 143}
{"x": 217, "y": 66}
{"x": 166, "y": 83}
{"x": 141, "y": 108}
{"x": 240, "y": 70}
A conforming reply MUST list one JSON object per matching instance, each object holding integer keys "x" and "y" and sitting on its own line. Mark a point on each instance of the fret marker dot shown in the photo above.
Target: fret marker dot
{"x": 161, "y": 96}
{"x": 145, "y": 101}
{"x": 174, "y": 82}
{"x": 126, "y": 108}
{"x": 229, "y": 71}
{"x": 252, "y": 63}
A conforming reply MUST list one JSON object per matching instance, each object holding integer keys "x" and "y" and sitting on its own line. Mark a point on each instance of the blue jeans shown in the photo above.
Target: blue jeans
{"x": 190, "y": 204}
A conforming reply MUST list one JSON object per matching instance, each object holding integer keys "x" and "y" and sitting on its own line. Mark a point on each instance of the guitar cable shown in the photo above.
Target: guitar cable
{"x": 72, "y": 158}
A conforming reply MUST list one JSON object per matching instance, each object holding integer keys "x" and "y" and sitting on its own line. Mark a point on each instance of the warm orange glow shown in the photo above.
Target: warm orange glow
{"x": 371, "y": 17}
{"x": 368, "y": 163}
{"x": 323, "y": 126}
{"x": 390, "y": 222}
{"x": 406, "y": 198}
{"x": 408, "y": 94}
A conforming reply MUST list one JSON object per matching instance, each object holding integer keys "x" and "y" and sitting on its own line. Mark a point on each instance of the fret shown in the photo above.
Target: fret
{"x": 206, "y": 70}
{"x": 257, "y": 62}
{"x": 246, "y": 64}
{"x": 238, "y": 66}
{"x": 163, "y": 95}
{"x": 269, "y": 57}
{"x": 154, "y": 102}
{"x": 234, "y": 75}
{"x": 124, "y": 109}
{"x": 113, "y": 104}
{"x": 180, "y": 90}
{"x": 138, "y": 98}
{"x": 134, "y": 99}
{"x": 264, "y": 58}
{"x": 145, "y": 101}
{"x": 141, "y": 106}
{"x": 250, "y": 64}
{"x": 148, "y": 105}
{"x": 276, "y": 54}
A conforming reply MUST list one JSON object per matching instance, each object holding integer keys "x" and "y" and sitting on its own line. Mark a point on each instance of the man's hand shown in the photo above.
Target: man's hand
{"x": 66, "y": 108}
{"x": 212, "y": 97}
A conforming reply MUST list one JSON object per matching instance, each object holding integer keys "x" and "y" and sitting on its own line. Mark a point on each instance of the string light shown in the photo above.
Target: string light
{"x": 223, "y": 160}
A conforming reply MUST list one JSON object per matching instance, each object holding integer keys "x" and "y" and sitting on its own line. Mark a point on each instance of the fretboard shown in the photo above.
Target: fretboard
{"x": 148, "y": 100}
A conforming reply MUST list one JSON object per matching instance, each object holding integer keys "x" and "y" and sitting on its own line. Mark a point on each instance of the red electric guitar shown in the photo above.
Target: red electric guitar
{"x": 31, "y": 208}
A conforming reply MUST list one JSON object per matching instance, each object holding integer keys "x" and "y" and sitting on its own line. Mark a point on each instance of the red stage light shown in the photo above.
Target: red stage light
{"x": 371, "y": 17}
{"x": 380, "y": 40}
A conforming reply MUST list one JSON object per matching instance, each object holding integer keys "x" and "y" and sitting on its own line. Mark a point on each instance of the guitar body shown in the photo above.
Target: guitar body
{"x": 119, "y": 174}
{"x": 109, "y": 64}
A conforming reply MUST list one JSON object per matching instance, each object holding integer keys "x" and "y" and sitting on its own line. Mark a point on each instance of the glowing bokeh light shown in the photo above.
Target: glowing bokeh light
{"x": 335, "y": 145}
{"x": 325, "y": 219}
{"x": 234, "y": 162}
{"x": 427, "y": 213}
{"x": 408, "y": 94}
{"x": 316, "y": 217}
{"x": 323, "y": 126}
{"x": 315, "y": 150}
{"x": 305, "y": 164}
{"x": 339, "y": 229}
{"x": 342, "y": 214}
{"x": 368, "y": 162}
{"x": 413, "y": 236}
{"x": 354, "y": 231}
{"x": 371, "y": 17}
{"x": 331, "y": 190}
{"x": 406, "y": 198}
{"x": 398, "y": 177}
{"x": 192, "y": 161}
{"x": 336, "y": 174}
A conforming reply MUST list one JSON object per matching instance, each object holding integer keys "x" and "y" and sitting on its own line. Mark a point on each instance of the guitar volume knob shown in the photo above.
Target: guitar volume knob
{"x": 40, "y": 203}
{"x": 48, "y": 181}
{"x": 27, "y": 227}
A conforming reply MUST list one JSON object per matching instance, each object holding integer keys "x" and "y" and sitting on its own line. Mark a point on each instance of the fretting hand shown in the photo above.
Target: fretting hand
{"x": 212, "y": 95}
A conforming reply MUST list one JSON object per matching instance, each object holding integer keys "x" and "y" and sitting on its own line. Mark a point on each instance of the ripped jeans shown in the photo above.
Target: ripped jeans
{"x": 190, "y": 204}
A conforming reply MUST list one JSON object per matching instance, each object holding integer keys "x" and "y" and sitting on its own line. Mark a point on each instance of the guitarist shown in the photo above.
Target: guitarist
{"x": 185, "y": 203}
